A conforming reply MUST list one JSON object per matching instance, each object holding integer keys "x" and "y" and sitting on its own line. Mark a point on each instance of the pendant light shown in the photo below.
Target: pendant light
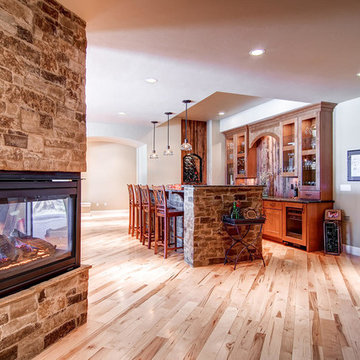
{"x": 186, "y": 146}
{"x": 154, "y": 155}
{"x": 168, "y": 151}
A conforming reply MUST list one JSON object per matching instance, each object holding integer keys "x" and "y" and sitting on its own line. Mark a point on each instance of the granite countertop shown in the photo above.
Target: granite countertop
{"x": 303, "y": 201}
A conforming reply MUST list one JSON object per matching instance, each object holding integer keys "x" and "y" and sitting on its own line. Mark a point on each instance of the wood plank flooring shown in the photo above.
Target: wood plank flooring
{"x": 301, "y": 306}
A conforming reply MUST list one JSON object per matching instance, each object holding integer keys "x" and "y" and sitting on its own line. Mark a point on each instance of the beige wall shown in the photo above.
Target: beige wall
{"x": 110, "y": 166}
{"x": 346, "y": 137}
{"x": 166, "y": 169}
{"x": 216, "y": 154}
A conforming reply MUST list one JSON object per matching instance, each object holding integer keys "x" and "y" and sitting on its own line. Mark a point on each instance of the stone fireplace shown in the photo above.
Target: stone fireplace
{"x": 39, "y": 227}
{"x": 42, "y": 153}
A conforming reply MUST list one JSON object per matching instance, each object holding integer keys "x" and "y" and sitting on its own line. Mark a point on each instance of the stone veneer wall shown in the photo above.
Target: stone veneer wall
{"x": 42, "y": 87}
{"x": 33, "y": 319}
{"x": 205, "y": 239}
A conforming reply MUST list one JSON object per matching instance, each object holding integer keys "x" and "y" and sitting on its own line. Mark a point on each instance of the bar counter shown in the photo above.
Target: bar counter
{"x": 205, "y": 239}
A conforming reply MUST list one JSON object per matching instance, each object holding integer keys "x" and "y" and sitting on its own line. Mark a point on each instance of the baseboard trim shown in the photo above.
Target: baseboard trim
{"x": 352, "y": 250}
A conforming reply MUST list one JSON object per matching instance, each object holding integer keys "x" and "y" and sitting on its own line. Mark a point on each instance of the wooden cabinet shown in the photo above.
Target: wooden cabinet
{"x": 240, "y": 160}
{"x": 273, "y": 224}
{"x": 295, "y": 222}
{"x": 315, "y": 148}
{"x": 304, "y": 140}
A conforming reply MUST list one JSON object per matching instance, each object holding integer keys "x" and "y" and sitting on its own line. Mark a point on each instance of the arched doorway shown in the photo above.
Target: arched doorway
{"x": 268, "y": 164}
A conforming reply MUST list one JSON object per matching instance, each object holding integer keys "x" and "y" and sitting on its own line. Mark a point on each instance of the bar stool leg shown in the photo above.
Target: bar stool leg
{"x": 141, "y": 235}
{"x": 144, "y": 227}
{"x": 132, "y": 220}
{"x": 129, "y": 219}
{"x": 150, "y": 220}
{"x": 156, "y": 234}
{"x": 136, "y": 222}
{"x": 166, "y": 240}
{"x": 175, "y": 234}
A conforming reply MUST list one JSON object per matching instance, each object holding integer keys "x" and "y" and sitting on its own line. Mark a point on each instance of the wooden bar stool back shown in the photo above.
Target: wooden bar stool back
{"x": 131, "y": 209}
{"x": 148, "y": 215}
{"x": 163, "y": 213}
{"x": 138, "y": 213}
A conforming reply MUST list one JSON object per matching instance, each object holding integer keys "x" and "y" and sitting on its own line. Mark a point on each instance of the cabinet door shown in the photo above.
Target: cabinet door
{"x": 288, "y": 148}
{"x": 230, "y": 160}
{"x": 272, "y": 226}
{"x": 294, "y": 223}
{"x": 309, "y": 149}
{"x": 240, "y": 154}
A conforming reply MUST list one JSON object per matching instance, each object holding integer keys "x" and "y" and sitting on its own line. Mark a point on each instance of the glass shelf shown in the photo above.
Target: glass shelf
{"x": 309, "y": 170}
{"x": 289, "y": 149}
{"x": 230, "y": 161}
{"x": 240, "y": 155}
{"x": 308, "y": 134}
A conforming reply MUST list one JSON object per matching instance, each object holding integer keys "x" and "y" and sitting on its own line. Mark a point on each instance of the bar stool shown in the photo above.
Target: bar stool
{"x": 138, "y": 213}
{"x": 163, "y": 213}
{"x": 131, "y": 209}
{"x": 148, "y": 218}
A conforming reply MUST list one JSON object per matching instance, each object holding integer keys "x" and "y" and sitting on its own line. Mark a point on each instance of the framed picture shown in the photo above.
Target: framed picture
{"x": 353, "y": 165}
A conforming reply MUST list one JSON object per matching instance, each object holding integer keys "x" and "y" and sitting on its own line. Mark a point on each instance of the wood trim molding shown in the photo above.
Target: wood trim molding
{"x": 352, "y": 250}
{"x": 276, "y": 119}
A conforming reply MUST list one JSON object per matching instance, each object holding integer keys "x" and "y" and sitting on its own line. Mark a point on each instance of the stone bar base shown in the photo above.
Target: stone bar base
{"x": 205, "y": 239}
{"x": 33, "y": 319}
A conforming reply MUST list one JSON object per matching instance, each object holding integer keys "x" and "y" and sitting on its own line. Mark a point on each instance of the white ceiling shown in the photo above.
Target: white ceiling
{"x": 197, "y": 48}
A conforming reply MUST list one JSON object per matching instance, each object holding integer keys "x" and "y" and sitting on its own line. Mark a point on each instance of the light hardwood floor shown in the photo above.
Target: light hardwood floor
{"x": 301, "y": 306}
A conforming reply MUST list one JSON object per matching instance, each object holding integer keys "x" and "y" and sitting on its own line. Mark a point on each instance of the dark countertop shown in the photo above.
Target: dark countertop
{"x": 302, "y": 201}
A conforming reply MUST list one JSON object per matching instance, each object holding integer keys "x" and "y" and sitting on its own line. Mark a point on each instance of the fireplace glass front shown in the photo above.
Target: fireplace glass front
{"x": 38, "y": 231}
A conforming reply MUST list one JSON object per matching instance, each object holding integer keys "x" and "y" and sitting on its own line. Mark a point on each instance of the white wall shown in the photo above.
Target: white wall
{"x": 166, "y": 169}
{"x": 110, "y": 166}
{"x": 347, "y": 137}
{"x": 259, "y": 112}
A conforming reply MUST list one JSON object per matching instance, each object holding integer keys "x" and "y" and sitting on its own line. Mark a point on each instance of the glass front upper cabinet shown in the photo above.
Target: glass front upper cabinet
{"x": 230, "y": 160}
{"x": 241, "y": 154}
{"x": 289, "y": 148}
{"x": 309, "y": 152}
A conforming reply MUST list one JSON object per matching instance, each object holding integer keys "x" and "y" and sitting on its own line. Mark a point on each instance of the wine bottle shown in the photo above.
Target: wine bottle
{"x": 296, "y": 191}
{"x": 234, "y": 212}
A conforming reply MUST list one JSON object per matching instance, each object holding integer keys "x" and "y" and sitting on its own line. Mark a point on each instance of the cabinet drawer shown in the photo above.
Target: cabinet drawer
{"x": 272, "y": 204}
{"x": 309, "y": 194}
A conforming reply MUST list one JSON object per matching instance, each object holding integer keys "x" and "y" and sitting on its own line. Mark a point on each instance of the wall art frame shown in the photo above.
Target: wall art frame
{"x": 353, "y": 165}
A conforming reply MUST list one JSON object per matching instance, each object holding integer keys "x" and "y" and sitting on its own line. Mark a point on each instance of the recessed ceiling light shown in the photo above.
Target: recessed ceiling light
{"x": 358, "y": 74}
{"x": 221, "y": 113}
{"x": 151, "y": 80}
{"x": 121, "y": 113}
{"x": 257, "y": 52}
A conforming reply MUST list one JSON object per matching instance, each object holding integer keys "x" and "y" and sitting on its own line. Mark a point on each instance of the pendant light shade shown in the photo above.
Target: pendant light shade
{"x": 168, "y": 151}
{"x": 186, "y": 146}
{"x": 154, "y": 155}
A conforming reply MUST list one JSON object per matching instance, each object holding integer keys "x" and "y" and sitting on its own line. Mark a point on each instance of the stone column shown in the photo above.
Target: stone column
{"x": 205, "y": 238}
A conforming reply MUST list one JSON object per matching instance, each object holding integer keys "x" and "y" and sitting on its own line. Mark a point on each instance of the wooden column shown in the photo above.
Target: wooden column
{"x": 197, "y": 137}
